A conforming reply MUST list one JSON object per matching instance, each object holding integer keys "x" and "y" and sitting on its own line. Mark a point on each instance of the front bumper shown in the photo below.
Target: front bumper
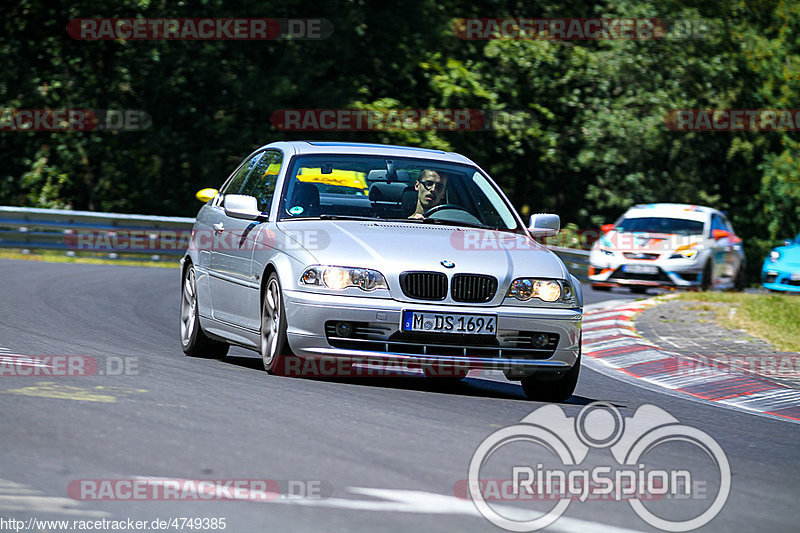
{"x": 610, "y": 272}
{"x": 383, "y": 340}
{"x": 779, "y": 280}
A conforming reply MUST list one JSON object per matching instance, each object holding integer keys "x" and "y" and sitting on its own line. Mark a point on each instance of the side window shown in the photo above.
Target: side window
{"x": 718, "y": 223}
{"x": 729, "y": 226}
{"x": 235, "y": 182}
{"x": 261, "y": 182}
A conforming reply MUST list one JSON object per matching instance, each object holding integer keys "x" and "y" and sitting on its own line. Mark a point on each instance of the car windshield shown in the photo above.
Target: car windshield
{"x": 370, "y": 187}
{"x": 661, "y": 225}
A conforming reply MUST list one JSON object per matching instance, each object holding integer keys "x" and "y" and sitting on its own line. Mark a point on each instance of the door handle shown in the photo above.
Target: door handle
{"x": 219, "y": 227}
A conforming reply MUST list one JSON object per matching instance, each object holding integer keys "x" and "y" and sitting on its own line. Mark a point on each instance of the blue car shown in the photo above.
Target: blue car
{"x": 781, "y": 270}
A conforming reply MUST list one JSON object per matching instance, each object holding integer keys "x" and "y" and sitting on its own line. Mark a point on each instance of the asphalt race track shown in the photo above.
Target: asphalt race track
{"x": 386, "y": 453}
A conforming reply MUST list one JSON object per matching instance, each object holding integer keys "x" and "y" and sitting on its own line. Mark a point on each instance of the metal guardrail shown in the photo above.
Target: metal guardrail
{"x": 110, "y": 234}
{"x": 149, "y": 237}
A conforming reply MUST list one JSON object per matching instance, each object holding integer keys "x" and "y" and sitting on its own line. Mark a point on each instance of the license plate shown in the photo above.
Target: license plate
{"x": 640, "y": 269}
{"x": 449, "y": 323}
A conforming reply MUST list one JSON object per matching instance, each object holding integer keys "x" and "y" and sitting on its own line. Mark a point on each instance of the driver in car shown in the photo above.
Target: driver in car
{"x": 430, "y": 191}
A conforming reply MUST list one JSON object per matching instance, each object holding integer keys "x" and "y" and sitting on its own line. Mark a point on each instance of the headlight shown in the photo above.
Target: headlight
{"x": 547, "y": 290}
{"x": 774, "y": 255}
{"x": 339, "y": 278}
{"x": 684, "y": 254}
{"x": 606, "y": 251}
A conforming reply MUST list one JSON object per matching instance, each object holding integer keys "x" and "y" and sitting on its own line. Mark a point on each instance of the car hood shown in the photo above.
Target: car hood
{"x": 790, "y": 256}
{"x": 394, "y": 247}
{"x": 648, "y": 242}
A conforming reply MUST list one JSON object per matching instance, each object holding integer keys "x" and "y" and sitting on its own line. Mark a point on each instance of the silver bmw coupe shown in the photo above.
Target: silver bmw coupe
{"x": 365, "y": 255}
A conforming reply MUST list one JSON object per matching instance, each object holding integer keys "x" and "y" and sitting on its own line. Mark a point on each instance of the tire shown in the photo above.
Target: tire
{"x": 708, "y": 272}
{"x": 194, "y": 341}
{"x": 557, "y": 390}
{"x": 274, "y": 344}
{"x": 601, "y": 287}
{"x": 639, "y": 290}
{"x": 739, "y": 282}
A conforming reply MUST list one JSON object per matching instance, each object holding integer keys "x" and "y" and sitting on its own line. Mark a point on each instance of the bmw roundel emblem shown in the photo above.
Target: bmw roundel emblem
{"x": 448, "y": 264}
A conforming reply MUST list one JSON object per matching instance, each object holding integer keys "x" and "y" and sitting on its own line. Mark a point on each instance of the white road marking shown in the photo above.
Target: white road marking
{"x": 596, "y": 346}
{"x": 21, "y": 360}
{"x": 694, "y": 378}
{"x": 629, "y": 359}
{"x": 592, "y": 316}
{"x": 423, "y": 502}
{"x": 18, "y": 497}
{"x": 588, "y": 335}
{"x": 770, "y": 400}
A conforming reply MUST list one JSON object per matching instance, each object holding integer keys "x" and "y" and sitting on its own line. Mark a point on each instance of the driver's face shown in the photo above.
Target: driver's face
{"x": 430, "y": 189}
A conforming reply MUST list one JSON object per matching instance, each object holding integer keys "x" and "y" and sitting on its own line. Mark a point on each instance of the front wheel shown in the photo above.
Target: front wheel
{"x": 708, "y": 273}
{"x": 194, "y": 341}
{"x": 557, "y": 390}
{"x": 740, "y": 282}
{"x": 274, "y": 346}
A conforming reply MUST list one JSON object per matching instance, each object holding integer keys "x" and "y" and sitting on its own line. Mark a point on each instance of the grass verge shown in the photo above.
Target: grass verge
{"x": 772, "y": 317}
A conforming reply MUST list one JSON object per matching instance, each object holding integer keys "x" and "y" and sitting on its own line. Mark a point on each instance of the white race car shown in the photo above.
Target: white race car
{"x": 668, "y": 245}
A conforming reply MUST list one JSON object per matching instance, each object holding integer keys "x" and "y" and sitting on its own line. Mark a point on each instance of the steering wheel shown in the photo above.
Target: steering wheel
{"x": 437, "y": 208}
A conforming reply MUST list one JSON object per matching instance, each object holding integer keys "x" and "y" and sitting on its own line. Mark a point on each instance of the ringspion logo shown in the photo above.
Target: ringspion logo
{"x": 542, "y": 460}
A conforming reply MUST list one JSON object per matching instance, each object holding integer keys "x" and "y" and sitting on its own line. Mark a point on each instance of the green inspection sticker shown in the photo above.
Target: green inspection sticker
{"x": 296, "y": 210}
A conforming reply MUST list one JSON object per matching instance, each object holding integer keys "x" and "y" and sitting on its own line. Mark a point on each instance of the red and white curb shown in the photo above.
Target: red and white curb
{"x": 610, "y": 338}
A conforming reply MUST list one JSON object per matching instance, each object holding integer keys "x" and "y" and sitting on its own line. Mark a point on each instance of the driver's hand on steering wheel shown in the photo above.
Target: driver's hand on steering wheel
{"x": 417, "y": 215}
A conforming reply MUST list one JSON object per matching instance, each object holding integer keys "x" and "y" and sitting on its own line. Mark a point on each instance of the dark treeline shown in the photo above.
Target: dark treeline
{"x": 595, "y": 142}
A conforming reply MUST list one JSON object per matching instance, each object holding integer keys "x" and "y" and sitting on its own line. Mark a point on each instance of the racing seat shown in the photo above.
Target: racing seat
{"x": 386, "y": 198}
{"x": 305, "y": 200}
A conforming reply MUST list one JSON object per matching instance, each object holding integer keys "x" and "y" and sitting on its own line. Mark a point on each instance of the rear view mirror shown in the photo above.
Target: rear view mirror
{"x": 205, "y": 195}
{"x": 241, "y": 206}
{"x": 544, "y": 225}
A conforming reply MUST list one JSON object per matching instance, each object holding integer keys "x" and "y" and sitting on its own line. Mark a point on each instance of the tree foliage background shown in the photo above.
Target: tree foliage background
{"x": 597, "y": 143}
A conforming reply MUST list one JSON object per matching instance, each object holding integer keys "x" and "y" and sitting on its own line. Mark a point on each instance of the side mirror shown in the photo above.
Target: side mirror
{"x": 544, "y": 225}
{"x": 720, "y": 234}
{"x": 241, "y": 206}
{"x": 206, "y": 195}
{"x": 605, "y": 228}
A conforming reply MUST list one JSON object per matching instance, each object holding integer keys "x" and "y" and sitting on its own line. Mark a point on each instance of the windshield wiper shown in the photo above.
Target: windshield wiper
{"x": 445, "y": 222}
{"x": 346, "y": 217}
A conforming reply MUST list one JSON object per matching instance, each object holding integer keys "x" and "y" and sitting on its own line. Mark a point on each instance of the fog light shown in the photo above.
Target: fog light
{"x": 540, "y": 340}
{"x": 344, "y": 329}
